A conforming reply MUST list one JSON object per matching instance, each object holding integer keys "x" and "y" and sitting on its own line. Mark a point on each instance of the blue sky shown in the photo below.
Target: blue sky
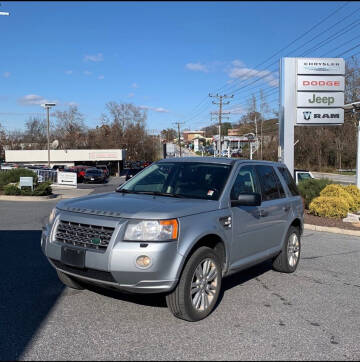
{"x": 163, "y": 56}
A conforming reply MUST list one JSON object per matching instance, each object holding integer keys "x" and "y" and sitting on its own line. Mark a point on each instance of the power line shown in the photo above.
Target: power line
{"x": 178, "y": 124}
{"x": 298, "y": 38}
{"x": 221, "y": 113}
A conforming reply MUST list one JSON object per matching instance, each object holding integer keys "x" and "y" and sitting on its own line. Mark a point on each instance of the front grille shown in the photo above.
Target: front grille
{"x": 84, "y": 235}
{"x": 88, "y": 273}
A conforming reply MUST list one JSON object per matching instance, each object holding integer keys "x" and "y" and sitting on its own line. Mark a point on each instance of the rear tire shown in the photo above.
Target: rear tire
{"x": 68, "y": 281}
{"x": 199, "y": 286}
{"x": 289, "y": 257}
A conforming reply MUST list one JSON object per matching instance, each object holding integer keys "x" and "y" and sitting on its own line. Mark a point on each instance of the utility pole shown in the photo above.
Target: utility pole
{"x": 220, "y": 113}
{"x": 47, "y": 106}
{"x": 178, "y": 124}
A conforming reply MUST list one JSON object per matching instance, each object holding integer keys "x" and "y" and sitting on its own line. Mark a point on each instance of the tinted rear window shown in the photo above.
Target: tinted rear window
{"x": 271, "y": 188}
{"x": 289, "y": 181}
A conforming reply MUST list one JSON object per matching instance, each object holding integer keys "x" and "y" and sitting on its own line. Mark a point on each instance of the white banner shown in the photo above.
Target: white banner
{"x": 320, "y": 66}
{"x": 67, "y": 178}
{"x": 320, "y": 99}
{"x": 318, "y": 83}
{"x": 320, "y": 116}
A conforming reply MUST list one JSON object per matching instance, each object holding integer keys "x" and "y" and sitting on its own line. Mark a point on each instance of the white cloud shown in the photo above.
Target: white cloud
{"x": 237, "y": 63}
{"x": 6, "y": 74}
{"x": 130, "y": 95}
{"x": 134, "y": 85}
{"x": 197, "y": 67}
{"x": 94, "y": 58}
{"x": 68, "y": 72}
{"x": 241, "y": 72}
{"x": 101, "y": 77}
{"x": 155, "y": 109}
{"x": 235, "y": 110}
{"x": 71, "y": 104}
{"x": 86, "y": 72}
{"x": 34, "y": 99}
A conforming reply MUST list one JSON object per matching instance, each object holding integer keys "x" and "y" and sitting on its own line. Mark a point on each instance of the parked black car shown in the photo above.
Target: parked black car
{"x": 94, "y": 175}
{"x": 130, "y": 172}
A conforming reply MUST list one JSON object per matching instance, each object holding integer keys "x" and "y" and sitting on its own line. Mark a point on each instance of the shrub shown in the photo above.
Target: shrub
{"x": 11, "y": 190}
{"x": 329, "y": 206}
{"x": 43, "y": 189}
{"x": 355, "y": 193}
{"x": 26, "y": 191}
{"x": 14, "y": 175}
{"x": 311, "y": 188}
{"x": 338, "y": 191}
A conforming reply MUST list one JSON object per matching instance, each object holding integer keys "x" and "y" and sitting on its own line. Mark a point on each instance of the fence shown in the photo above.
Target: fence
{"x": 43, "y": 175}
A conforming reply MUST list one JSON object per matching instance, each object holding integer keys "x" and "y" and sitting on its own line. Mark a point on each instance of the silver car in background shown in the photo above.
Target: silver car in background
{"x": 178, "y": 227}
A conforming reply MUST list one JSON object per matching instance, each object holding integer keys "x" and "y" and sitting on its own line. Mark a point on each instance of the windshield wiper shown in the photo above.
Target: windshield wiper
{"x": 126, "y": 191}
{"x": 158, "y": 193}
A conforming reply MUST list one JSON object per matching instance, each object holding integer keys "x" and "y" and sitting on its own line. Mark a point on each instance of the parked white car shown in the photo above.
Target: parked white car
{"x": 300, "y": 175}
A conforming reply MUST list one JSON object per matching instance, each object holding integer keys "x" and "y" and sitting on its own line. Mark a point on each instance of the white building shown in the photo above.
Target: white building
{"x": 111, "y": 157}
{"x": 234, "y": 142}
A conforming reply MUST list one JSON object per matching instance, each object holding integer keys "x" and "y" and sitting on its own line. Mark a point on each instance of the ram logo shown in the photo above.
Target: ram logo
{"x": 307, "y": 116}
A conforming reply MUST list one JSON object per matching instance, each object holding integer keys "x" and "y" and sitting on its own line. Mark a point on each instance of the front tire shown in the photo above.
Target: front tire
{"x": 68, "y": 281}
{"x": 199, "y": 286}
{"x": 288, "y": 260}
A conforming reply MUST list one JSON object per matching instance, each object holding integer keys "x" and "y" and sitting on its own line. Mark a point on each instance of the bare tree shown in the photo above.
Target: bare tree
{"x": 35, "y": 133}
{"x": 70, "y": 129}
{"x": 264, "y": 111}
{"x": 168, "y": 134}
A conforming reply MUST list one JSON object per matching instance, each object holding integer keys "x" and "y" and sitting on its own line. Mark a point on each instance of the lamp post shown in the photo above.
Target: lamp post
{"x": 355, "y": 107}
{"x": 48, "y": 106}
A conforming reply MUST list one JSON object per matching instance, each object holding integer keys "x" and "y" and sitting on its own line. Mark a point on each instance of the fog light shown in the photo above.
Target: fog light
{"x": 143, "y": 261}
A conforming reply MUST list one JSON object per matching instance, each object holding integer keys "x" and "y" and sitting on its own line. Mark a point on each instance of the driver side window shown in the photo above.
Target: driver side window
{"x": 245, "y": 183}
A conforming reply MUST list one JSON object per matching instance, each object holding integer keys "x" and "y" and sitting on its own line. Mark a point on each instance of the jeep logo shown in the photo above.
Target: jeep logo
{"x": 321, "y": 100}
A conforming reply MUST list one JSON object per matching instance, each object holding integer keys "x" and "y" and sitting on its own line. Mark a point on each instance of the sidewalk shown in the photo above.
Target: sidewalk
{"x": 58, "y": 194}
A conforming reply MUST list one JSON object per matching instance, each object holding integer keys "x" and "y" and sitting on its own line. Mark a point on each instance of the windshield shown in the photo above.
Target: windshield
{"x": 180, "y": 179}
{"x": 93, "y": 172}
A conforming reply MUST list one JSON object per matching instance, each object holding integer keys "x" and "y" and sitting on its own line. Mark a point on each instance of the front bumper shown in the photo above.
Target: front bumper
{"x": 116, "y": 267}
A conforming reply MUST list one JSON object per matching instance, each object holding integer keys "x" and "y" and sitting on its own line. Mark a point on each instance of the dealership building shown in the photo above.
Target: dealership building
{"x": 113, "y": 158}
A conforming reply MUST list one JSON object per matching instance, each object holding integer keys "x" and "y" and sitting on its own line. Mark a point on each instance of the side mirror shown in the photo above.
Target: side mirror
{"x": 253, "y": 199}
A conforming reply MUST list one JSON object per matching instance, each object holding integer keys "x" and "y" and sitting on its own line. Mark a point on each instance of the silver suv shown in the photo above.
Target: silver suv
{"x": 178, "y": 227}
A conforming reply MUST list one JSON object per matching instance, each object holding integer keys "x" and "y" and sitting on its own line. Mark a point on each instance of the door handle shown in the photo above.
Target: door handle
{"x": 286, "y": 208}
{"x": 263, "y": 213}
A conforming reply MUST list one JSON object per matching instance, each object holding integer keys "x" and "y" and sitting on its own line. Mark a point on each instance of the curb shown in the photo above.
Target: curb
{"x": 332, "y": 230}
{"x": 52, "y": 197}
{"x": 29, "y": 198}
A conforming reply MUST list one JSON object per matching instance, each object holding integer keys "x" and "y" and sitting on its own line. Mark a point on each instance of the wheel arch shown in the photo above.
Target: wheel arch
{"x": 213, "y": 241}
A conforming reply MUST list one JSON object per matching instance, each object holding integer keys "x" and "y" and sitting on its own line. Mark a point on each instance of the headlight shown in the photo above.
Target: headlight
{"x": 52, "y": 215}
{"x": 152, "y": 230}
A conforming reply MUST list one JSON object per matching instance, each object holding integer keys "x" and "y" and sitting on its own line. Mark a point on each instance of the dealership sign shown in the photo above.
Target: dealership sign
{"x": 318, "y": 83}
{"x": 67, "y": 178}
{"x": 311, "y": 94}
{"x": 331, "y": 66}
{"x": 312, "y": 115}
{"x": 320, "y": 99}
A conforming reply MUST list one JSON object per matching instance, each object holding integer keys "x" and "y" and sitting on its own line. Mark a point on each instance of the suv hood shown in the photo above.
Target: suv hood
{"x": 134, "y": 206}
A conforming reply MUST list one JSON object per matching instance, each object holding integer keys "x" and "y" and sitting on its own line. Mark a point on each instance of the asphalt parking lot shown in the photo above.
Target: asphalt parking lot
{"x": 311, "y": 314}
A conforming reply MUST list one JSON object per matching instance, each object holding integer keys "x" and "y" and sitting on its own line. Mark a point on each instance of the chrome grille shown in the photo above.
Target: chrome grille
{"x": 84, "y": 235}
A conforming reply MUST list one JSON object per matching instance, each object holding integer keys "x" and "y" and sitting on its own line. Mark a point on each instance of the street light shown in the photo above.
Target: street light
{"x": 48, "y": 106}
{"x": 355, "y": 107}
{"x": 4, "y": 13}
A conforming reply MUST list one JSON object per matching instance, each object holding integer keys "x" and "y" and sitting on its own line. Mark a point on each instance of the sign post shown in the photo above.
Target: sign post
{"x": 311, "y": 94}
